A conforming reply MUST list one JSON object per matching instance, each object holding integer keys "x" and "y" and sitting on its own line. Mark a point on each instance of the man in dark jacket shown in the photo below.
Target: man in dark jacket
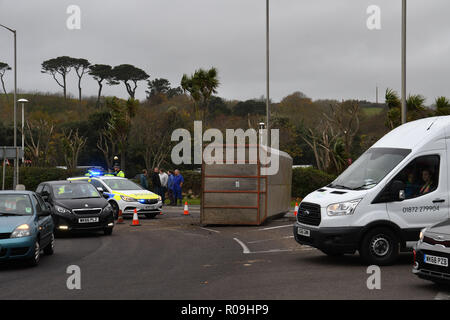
{"x": 156, "y": 181}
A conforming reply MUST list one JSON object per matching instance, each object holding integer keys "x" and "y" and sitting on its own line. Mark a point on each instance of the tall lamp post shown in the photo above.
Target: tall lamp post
{"x": 23, "y": 101}
{"x": 16, "y": 166}
{"x": 403, "y": 61}
{"x": 267, "y": 75}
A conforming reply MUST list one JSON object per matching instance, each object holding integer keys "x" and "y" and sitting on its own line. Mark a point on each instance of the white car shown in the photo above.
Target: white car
{"x": 125, "y": 195}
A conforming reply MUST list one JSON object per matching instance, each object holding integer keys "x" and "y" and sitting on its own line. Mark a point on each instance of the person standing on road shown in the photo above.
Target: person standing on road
{"x": 177, "y": 187}
{"x": 163, "y": 177}
{"x": 170, "y": 187}
{"x": 156, "y": 181}
{"x": 144, "y": 182}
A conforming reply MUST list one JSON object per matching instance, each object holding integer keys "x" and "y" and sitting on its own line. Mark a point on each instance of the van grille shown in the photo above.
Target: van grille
{"x": 309, "y": 213}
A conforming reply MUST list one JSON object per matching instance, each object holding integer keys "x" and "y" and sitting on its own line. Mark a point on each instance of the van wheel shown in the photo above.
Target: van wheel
{"x": 379, "y": 246}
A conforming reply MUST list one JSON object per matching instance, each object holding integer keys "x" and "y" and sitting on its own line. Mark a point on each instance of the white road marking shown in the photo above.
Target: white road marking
{"x": 245, "y": 249}
{"x": 271, "y": 251}
{"x": 210, "y": 230}
{"x": 442, "y": 296}
{"x": 277, "y": 227}
{"x": 266, "y": 240}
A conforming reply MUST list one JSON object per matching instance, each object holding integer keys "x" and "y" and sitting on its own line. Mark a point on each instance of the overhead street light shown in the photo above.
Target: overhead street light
{"x": 23, "y": 101}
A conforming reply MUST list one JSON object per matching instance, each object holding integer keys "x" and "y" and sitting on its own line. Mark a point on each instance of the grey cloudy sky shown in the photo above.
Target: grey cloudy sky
{"x": 320, "y": 47}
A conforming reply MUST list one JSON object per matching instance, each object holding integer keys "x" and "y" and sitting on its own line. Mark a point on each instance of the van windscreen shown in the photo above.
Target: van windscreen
{"x": 370, "y": 168}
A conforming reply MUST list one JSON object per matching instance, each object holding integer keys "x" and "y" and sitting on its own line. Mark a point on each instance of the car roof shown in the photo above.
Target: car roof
{"x": 17, "y": 191}
{"x": 96, "y": 177}
{"x": 63, "y": 182}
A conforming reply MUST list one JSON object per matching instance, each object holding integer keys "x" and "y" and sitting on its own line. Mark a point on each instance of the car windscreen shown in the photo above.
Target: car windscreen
{"x": 370, "y": 168}
{"x": 74, "y": 191}
{"x": 15, "y": 204}
{"x": 121, "y": 184}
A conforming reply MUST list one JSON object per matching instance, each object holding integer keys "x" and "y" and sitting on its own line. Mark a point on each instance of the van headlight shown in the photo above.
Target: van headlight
{"x": 342, "y": 208}
{"x": 21, "y": 231}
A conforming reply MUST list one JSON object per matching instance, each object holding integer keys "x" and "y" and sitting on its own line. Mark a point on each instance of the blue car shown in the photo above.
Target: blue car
{"x": 26, "y": 227}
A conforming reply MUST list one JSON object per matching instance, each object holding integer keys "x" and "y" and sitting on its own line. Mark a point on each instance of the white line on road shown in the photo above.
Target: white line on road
{"x": 245, "y": 249}
{"x": 210, "y": 230}
{"x": 277, "y": 227}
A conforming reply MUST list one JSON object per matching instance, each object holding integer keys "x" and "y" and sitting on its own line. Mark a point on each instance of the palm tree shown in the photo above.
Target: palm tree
{"x": 201, "y": 86}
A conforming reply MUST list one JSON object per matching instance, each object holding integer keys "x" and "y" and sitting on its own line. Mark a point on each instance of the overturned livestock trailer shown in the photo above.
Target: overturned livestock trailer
{"x": 246, "y": 192}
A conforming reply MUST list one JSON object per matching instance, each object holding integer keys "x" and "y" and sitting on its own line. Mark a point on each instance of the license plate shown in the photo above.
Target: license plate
{"x": 438, "y": 261}
{"x": 149, "y": 207}
{"x": 87, "y": 220}
{"x": 303, "y": 232}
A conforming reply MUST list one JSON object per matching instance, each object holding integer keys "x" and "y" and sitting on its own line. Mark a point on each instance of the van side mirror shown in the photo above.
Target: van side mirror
{"x": 397, "y": 190}
{"x": 100, "y": 189}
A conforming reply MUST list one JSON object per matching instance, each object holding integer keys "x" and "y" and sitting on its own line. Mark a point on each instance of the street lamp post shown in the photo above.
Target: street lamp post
{"x": 16, "y": 160}
{"x": 267, "y": 75}
{"x": 23, "y": 101}
{"x": 403, "y": 61}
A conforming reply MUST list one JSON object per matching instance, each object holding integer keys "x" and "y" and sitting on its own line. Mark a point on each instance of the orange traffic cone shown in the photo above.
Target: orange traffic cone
{"x": 186, "y": 209}
{"x": 120, "y": 217}
{"x": 135, "y": 219}
{"x": 296, "y": 209}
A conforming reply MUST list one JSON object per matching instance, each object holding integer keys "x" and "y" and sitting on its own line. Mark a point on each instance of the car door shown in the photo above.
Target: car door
{"x": 45, "y": 222}
{"x": 426, "y": 192}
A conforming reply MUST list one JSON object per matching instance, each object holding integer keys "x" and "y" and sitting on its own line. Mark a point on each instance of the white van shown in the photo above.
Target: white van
{"x": 383, "y": 200}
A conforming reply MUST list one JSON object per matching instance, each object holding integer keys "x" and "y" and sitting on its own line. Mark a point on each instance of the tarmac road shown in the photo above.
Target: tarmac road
{"x": 173, "y": 257}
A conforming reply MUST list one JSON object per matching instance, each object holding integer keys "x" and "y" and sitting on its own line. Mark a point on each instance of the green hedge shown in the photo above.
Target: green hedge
{"x": 32, "y": 176}
{"x": 306, "y": 180}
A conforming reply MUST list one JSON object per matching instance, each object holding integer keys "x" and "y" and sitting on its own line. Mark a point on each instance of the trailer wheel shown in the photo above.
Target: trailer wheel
{"x": 380, "y": 246}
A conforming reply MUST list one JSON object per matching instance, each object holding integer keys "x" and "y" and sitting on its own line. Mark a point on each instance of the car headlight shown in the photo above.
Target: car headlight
{"x": 128, "y": 199}
{"x": 21, "y": 231}
{"x": 422, "y": 234}
{"x": 62, "y": 210}
{"x": 107, "y": 208}
{"x": 342, "y": 208}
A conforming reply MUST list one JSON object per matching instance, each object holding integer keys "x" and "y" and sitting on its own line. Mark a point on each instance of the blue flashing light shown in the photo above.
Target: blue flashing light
{"x": 141, "y": 200}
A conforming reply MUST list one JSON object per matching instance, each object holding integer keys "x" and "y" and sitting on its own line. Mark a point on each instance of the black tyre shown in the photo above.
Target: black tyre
{"x": 108, "y": 231}
{"x": 34, "y": 260}
{"x": 49, "y": 249}
{"x": 380, "y": 246}
{"x": 115, "y": 207}
{"x": 151, "y": 215}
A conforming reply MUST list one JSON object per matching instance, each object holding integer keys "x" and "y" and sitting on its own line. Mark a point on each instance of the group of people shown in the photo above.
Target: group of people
{"x": 170, "y": 183}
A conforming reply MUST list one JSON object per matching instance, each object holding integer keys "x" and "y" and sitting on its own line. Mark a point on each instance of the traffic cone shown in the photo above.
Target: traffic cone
{"x": 135, "y": 219}
{"x": 186, "y": 209}
{"x": 296, "y": 209}
{"x": 120, "y": 217}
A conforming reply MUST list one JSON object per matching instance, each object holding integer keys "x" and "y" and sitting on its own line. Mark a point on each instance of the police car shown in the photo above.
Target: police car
{"x": 124, "y": 195}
